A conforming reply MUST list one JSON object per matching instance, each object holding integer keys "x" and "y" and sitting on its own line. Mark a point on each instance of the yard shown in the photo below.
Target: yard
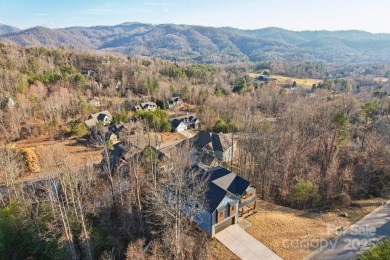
{"x": 283, "y": 80}
{"x": 294, "y": 234}
{"x": 80, "y": 152}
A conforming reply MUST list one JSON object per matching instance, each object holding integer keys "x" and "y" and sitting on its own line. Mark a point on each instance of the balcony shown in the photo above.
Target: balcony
{"x": 248, "y": 200}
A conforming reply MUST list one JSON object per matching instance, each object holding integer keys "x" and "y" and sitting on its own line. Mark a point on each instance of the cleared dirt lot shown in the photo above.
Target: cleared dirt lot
{"x": 36, "y": 150}
{"x": 79, "y": 152}
{"x": 292, "y": 234}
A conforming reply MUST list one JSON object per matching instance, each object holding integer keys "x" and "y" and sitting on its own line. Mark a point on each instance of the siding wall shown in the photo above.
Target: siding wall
{"x": 227, "y": 155}
{"x": 225, "y": 204}
{"x": 203, "y": 220}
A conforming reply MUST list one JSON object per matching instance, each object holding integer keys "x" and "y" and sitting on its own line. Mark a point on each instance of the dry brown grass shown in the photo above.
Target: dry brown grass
{"x": 35, "y": 150}
{"x": 220, "y": 252}
{"x": 168, "y": 137}
{"x": 283, "y": 80}
{"x": 280, "y": 228}
{"x": 361, "y": 208}
{"x": 31, "y": 159}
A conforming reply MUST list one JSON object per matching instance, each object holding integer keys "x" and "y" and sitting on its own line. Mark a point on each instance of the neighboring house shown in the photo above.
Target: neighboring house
{"x": 227, "y": 193}
{"x": 263, "y": 77}
{"x": 220, "y": 145}
{"x": 174, "y": 101}
{"x": 134, "y": 145}
{"x": 149, "y": 106}
{"x": 105, "y": 117}
{"x": 178, "y": 125}
{"x": 105, "y": 134}
{"x": 87, "y": 72}
{"x": 190, "y": 122}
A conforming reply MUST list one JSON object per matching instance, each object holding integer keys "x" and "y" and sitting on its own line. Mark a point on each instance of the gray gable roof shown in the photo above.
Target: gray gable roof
{"x": 94, "y": 118}
{"x": 219, "y": 142}
{"x": 222, "y": 182}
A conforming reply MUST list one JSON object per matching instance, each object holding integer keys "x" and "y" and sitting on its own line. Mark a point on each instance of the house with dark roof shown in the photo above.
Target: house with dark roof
{"x": 183, "y": 123}
{"x": 227, "y": 193}
{"x": 148, "y": 106}
{"x": 219, "y": 145}
{"x": 104, "y": 116}
{"x": 178, "y": 125}
{"x": 174, "y": 101}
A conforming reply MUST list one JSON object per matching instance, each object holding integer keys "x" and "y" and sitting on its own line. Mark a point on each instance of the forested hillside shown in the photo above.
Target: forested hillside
{"x": 211, "y": 45}
{"x": 315, "y": 147}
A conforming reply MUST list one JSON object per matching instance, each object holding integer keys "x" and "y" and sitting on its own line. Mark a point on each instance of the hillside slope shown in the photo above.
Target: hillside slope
{"x": 213, "y": 45}
{"x": 7, "y": 29}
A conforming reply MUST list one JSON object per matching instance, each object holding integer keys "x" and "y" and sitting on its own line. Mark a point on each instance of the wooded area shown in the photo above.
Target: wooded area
{"x": 312, "y": 149}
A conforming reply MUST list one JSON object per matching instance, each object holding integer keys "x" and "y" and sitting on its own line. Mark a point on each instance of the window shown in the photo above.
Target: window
{"x": 232, "y": 210}
{"x": 220, "y": 216}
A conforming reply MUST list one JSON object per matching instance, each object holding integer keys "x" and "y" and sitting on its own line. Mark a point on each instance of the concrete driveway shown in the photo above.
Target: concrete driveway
{"x": 244, "y": 245}
{"x": 355, "y": 240}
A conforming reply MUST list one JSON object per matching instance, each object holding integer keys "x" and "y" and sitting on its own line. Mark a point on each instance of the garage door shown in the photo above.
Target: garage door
{"x": 224, "y": 225}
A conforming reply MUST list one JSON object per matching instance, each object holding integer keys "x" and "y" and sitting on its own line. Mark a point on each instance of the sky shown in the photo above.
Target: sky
{"x": 297, "y": 15}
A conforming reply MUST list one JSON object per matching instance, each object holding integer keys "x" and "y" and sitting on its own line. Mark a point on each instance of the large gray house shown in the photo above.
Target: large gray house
{"x": 227, "y": 193}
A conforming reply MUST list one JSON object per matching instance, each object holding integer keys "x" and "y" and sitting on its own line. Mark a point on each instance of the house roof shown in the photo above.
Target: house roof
{"x": 218, "y": 142}
{"x": 94, "y": 118}
{"x": 175, "y": 123}
{"x": 214, "y": 196}
{"x": 145, "y": 104}
{"x": 222, "y": 182}
{"x": 91, "y": 122}
{"x": 100, "y": 115}
{"x": 141, "y": 141}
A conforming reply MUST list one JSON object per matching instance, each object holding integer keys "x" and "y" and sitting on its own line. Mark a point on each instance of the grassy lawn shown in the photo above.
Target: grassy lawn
{"x": 362, "y": 208}
{"x": 282, "y": 80}
{"x": 292, "y": 234}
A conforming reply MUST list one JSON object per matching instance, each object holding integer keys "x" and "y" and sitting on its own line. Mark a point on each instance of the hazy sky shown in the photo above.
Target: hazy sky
{"x": 368, "y": 15}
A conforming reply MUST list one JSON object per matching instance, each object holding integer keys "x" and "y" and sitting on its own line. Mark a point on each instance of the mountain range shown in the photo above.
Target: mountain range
{"x": 209, "y": 44}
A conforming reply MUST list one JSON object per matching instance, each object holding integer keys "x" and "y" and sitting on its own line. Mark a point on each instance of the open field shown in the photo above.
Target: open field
{"x": 283, "y": 80}
{"x": 36, "y": 150}
{"x": 381, "y": 79}
{"x": 79, "y": 151}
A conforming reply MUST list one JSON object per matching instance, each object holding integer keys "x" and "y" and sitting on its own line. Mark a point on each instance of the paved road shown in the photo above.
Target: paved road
{"x": 353, "y": 242}
{"x": 244, "y": 245}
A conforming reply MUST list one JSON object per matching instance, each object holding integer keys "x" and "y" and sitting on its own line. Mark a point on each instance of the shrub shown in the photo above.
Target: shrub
{"x": 79, "y": 130}
{"x": 339, "y": 200}
{"x": 158, "y": 120}
{"x": 304, "y": 194}
{"x": 381, "y": 250}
